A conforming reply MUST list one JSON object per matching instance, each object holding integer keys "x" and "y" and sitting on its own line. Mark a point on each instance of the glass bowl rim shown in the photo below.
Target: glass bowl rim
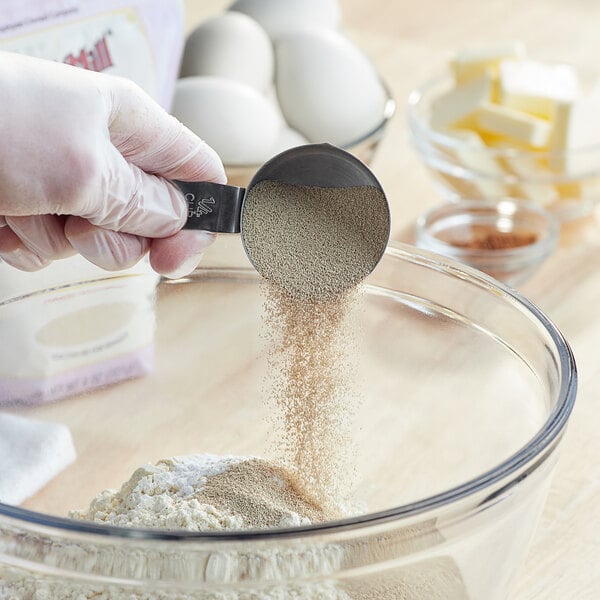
{"x": 543, "y": 439}
{"x": 544, "y": 245}
{"x": 421, "y": 130}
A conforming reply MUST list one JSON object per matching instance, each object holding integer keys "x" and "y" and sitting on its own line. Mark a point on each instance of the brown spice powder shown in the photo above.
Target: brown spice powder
{"x": 497, "y": 240}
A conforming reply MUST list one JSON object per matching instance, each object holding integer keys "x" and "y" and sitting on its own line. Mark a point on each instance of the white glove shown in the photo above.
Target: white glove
{"x": 82, "y": 161}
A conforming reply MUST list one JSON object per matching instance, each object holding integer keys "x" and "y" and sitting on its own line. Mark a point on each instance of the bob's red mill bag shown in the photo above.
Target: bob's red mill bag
{"x": 141, "y": 40}
{"x": 93, "y": 328}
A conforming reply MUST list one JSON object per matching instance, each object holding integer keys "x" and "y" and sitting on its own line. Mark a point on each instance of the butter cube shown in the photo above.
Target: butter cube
{"x": 460, "y": 102}
{"x": 576, "y": 125}
{"x": 474, "y": 154}
{"x": 475, "y": 62}
{"x": 533, "y": 187}
{"x": 535, "y": 87}
{"x": 513, "y": 124}
{"x": 533, "y": 179}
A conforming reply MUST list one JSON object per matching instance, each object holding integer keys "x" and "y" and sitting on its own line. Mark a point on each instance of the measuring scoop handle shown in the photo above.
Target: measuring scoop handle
{"x": 212, "y": 206}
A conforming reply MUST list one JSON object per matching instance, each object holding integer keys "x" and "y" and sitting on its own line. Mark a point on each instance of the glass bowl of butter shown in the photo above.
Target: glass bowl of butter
{"x": 498, "y": 124}
{"x": 456, "y": 395}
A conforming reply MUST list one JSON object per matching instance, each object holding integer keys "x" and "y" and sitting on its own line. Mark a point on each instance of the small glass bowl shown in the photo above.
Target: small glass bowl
{"x": 565, "y": 183}
{"x": 508, "y": 240}
{"x": 363, "y": 148}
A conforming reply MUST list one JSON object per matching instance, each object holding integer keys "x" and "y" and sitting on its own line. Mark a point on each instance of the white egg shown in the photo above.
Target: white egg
{"x": 233, "y": 118}
{"x": 279, "y": 17}
{"x": 327, "y": 88}
{"x": 230, "y": 45}
{"x": 271, "y": 95}
{"x": 288, "y": 138}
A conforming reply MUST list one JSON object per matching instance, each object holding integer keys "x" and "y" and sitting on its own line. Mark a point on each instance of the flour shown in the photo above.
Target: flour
{"x": 199, "y": 492}
{"x": 244, "y": 492}
{"x": 164, "y": 496}
{"x": 205, "y": 492}
{"x": 26, "y": 589}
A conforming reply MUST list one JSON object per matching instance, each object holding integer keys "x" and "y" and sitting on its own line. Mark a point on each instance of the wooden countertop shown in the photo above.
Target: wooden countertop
{"x": 407, "y": 40}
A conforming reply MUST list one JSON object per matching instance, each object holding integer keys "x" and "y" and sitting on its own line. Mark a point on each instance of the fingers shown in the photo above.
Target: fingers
{"x": 26, "y": 245}
{"x": 130, "y": 200}
{"x": 155, "y": 141}
{"x": 43, "y": 235}
{"x": 109, "y": 250}
{"x": 179, "y": 255}
{"x": 16, "y": 254}
{"x": 174, "y": 256}
{"x": 31, "y": 243}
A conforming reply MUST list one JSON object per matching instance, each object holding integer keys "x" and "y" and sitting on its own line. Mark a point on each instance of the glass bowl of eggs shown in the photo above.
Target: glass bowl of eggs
{"x": 363, "y": 147}
{"x": 256, "y": 82}
{"x": 497, "y": 124}
{"x": 458, "y": 396}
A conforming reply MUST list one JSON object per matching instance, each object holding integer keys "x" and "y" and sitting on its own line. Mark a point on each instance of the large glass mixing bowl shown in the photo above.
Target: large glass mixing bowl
{"x": 466, "y": 389}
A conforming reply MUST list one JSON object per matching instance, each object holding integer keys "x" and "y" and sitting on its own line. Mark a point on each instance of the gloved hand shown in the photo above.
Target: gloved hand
{"x": 82, "y": 162}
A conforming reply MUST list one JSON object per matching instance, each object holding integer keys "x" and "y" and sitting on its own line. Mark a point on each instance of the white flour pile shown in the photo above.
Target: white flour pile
{"x": 205, "y": 492}
{"x": 163, "y": 496}
{"x": 31, "y": 590}
{"x": 199, "y": 492}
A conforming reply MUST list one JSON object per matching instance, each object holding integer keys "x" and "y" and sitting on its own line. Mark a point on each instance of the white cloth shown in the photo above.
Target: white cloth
{"x": 31, "y": 454}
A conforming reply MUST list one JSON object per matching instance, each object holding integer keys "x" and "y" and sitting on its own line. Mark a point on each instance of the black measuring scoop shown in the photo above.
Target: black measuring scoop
{"x": 220, "y": 208}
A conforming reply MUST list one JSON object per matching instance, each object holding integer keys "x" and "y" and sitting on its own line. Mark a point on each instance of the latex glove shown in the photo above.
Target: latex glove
{"x": 83, "y": 157}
